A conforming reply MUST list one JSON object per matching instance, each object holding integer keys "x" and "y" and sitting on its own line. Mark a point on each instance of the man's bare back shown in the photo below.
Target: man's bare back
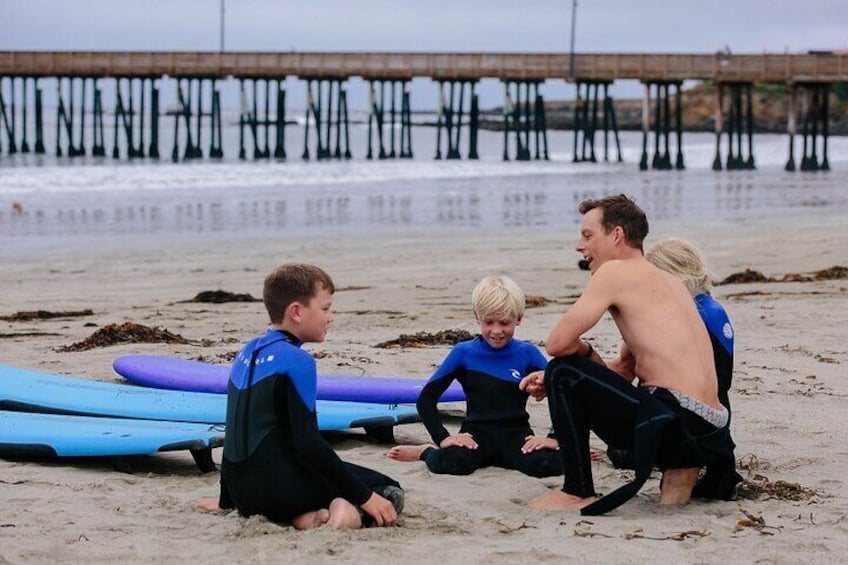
{"x": 660, "y": 324}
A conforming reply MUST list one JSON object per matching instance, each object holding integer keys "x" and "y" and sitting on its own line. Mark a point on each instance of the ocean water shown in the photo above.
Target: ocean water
{"x": 74, "y": 202}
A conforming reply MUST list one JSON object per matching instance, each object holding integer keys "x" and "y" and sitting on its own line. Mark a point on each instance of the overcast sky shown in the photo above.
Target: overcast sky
{"x": 426, "y": 25}
{"x": 640, "y": 26}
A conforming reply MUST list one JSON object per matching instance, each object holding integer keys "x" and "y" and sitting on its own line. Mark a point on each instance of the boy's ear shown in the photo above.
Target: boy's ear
{"x": 293, "y": 312}
{"x": 518, "y": 321}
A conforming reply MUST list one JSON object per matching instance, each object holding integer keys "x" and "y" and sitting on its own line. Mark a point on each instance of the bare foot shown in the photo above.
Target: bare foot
{"x": 311, "y": 519}
{"x": 208, "y": 505}
{"x": 558, "y": 500}
{"x": 407, "y": 452}
{"x": 343, "y": 515}
{"x": 677, "y": 485}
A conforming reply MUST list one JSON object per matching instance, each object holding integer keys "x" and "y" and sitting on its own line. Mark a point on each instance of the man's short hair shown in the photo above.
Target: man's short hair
{"x": 495, "y": 296}
{"x": 293, "y": 282}
{"x": 683, "y": 260}
{"x": 620, "y": 210}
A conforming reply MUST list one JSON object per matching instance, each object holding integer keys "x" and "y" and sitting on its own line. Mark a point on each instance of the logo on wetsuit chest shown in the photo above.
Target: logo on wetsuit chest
{"x": 516, "y": 374}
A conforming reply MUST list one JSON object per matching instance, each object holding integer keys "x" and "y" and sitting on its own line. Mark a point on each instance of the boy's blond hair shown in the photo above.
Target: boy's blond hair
{"x": 498, "y": 296}
{"x": 682, "y": 259}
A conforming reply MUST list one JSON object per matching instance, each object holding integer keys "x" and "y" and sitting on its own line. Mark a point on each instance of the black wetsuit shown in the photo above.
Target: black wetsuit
{"x": 721, "y": 337}
{"x": 720, "y": 479}
{"x": 496, "y": 410}
{"x": 276, "y": 463}
{"x": 585, "y": 396}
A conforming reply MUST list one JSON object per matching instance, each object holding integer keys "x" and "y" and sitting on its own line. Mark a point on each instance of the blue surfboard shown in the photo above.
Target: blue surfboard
{"x": 24, "y": 434}
{"x": 172, "y": 373}
{"x": 33, "y": 391}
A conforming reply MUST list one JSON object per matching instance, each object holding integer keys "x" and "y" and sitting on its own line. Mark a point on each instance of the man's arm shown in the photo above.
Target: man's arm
{"x": 624, "y": 364}
{"x": 564, "y": 339}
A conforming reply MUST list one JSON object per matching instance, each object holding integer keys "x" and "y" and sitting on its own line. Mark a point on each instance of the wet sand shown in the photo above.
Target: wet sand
{"x": 788, "y": 397}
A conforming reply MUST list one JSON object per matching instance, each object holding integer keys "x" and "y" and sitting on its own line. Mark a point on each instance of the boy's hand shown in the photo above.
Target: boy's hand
{"x": 535, "y": 443}
{"x": 534, "y": 385}
{"x": 459, "y": 440}
{"x": 381, "y": 510}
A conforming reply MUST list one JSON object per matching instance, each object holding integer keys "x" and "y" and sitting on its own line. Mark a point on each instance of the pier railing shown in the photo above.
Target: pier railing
{"x": 718, "y": 67}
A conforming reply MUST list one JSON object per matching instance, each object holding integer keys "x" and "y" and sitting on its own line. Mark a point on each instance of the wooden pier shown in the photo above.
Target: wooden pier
{"x": 588, "y": 67}
{"x": 195, "y": 77}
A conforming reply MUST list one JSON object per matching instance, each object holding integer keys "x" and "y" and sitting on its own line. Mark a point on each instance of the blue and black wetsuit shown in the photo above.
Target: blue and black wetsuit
{"x": 720, "y": 479}
{"x": 276, "y": 463}
{"x": 721, "y": 335}
{"x": 496, "y": 410}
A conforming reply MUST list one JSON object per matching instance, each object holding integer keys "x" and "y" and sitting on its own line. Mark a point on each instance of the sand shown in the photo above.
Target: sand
{"x": 788, "y": 396}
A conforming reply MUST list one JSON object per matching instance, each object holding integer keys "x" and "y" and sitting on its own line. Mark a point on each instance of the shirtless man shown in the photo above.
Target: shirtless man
{"x": 674, "y": 418}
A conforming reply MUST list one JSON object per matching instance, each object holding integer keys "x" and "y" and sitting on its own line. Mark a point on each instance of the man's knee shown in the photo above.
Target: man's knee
{"x": 561, "y": 370}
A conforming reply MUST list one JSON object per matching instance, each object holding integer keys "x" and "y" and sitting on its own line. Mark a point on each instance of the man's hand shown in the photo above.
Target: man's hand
{"x": 380, "y": 509}
{"x": 534, "y": 385}
{"x": 535, "y": 443}
{"x": 459, "y": 440}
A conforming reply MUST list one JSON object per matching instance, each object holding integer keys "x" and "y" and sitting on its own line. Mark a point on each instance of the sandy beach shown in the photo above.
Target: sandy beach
{"x": 788, "y": 397}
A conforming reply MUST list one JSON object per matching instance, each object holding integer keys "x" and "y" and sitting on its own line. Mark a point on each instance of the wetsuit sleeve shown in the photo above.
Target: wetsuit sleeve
{"x": 429, "y": 396}
{"x": 536, "y": 361}
{"x": 312, "y": 446}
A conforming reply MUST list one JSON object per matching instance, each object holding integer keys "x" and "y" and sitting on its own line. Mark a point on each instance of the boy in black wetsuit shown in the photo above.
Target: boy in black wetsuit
{"x": 276, "y": 463}
{"x": 496, "y": 430}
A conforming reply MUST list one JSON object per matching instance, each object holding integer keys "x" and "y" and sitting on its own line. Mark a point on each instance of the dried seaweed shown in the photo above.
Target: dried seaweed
{"x": 225, "y": 358}
{"x": 505, "y": 528}
{"x": 4, "y": 335}
{"x": 751, "y": 276}
{"x": 127, "y": 332}
{"x": 221, "y": 296}
{"x": 833, "y": 273}
{"x": 372, "y": 312}
{"x": 757, "y": 486}
{"x": 536, "y": 301}
{"x": 674, "y": 536}
{"x": 423, "y": 339}
{"x": 746, "y": 276}
{"x": 639, "y": 533}
{"x": 796, "y": 277}
{"x": 755, "y": 522}
{"x": 27, "y": 316}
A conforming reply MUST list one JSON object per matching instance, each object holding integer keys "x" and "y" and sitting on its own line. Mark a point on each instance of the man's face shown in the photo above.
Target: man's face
{"x": 316, "y": 317}
{"x": 595, "y": 244}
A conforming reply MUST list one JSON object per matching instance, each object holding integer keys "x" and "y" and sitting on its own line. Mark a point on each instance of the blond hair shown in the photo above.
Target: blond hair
{"x": 498, "y": 296}
{"x": 682, "y": 259}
